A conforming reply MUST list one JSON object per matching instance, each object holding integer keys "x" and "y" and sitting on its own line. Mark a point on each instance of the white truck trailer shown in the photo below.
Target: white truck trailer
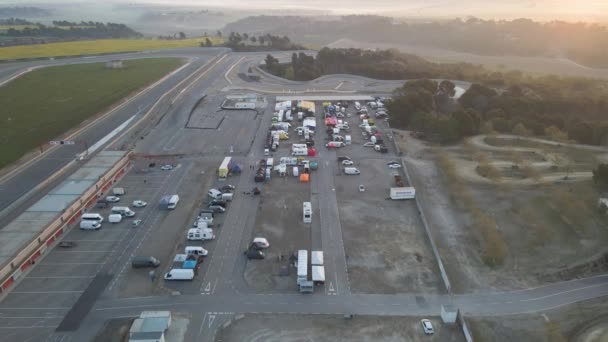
{"x": 403, "y": 193}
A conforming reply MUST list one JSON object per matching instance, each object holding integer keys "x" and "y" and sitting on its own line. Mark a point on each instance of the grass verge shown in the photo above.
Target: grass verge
{"x": 92, "y": 47}
{"x": 43, "y": 104}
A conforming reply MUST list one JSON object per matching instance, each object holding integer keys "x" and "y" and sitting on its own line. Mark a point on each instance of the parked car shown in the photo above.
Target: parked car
{"x": 218, "y": 202}
{"x": 427, "y": 326}
{"x": 217, "y": 208}
{"x": 342, "y": 158}
{"x": 227, "y": 188}
{"x": 347, "y": 162}
{"x": 139, "y": 204}
{"x": 261, "y": 242}
{"x": 166, "y": 167}
{"x": 339, "y": 115}
{"x": 112, "y": 199}
{"x": 135, "y": 223}
{"x": 144, "y": 261}
{"x": 394, "y": 166}
{"x": 361, "y": 188}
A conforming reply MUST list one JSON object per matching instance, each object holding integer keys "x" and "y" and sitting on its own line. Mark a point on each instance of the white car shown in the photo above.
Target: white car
{"x": 347, "y": 162}
{"x": 427, "y": 326}
{"x": 394, "y": 166}
{"x": 112, "y": 199}
{"x": 361, "y": 188}
{"x": 261, "y": 242}
{"x": 139, "y": 204}
{"x": 166, "y": 167}
{"x": 369, "y": 144}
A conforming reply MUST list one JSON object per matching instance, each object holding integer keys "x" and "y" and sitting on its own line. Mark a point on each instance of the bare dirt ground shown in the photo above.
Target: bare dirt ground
{"x": 582, "y": 322}
{"x": 279, "y": 220}
{"x": 387, "y": 250}
{"x": 534, "y": 220}
{"x": 321, "y": 328}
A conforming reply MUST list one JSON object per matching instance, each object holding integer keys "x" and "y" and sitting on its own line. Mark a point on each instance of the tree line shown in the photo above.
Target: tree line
{"x": 562, "y": 108}
{"x": 72, "y": 30}
{"x": 582, "y": 42}
{"x": 245, "y": 42}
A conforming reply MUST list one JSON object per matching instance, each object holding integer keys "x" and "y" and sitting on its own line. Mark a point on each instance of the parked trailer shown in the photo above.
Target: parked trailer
{"x": 403, "y": 193}
{"x": 225, "y": 167}
{"x": 318, "y": 275}
{"x": 316, "y": 258}
{"x": 302, "y": 266}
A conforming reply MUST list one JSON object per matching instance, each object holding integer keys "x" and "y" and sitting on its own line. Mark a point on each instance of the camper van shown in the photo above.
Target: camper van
{"x": 173, "y": 202}
{"x": 92, "y": 217}
{"x": 200, "y": 251}
{"x": 196, "y": 234}
{"x": 179, "y": 274}
{"x": 307, "y": 212}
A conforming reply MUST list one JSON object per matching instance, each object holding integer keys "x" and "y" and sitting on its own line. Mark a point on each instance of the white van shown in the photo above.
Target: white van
{"x": 296, "y": 171}
{"x": 196, "y": 250}
{"x": 173, "y": 202}
{"x": 307, "y": 212}
{"x": 227, "y": 197}
{"x": 92, "y": 217}
{"x": 351, "y": 171}
{"x": 124, "y": 211}
{"x": 214, "y": 193}
{"x": 115, "y": 218}
{"x": 179, "y": 274}
{"x": 89, "y": 225}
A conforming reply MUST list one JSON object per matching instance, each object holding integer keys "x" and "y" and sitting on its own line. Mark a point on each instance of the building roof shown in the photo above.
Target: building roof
{"x": 25, "y": 227}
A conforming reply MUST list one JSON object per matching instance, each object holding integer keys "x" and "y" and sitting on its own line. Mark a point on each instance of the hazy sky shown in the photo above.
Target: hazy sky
{"x": 542, "y": 9}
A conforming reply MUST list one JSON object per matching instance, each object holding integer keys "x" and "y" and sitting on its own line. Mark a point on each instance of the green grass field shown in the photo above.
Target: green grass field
{"x": 91, "y": 47}
{"x": 43, "y": 104}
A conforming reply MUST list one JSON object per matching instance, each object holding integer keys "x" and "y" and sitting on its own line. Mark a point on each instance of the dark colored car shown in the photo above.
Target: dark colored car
{"x": 144, "y": 261}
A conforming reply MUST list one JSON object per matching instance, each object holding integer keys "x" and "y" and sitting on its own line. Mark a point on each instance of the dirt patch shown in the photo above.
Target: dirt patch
{"x": 581, "y": 322}
{"x": 323, "y": 328}
{"x": 279, "y": 219}
{"x": 535, "y": 220}
{"x": 386, "y": 247}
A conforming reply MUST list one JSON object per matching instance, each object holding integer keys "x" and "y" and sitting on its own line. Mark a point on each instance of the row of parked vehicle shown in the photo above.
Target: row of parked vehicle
{"x": 93, "y": 221}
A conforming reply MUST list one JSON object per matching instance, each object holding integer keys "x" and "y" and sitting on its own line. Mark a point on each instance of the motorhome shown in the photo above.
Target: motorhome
{"x": 196, "y": 234}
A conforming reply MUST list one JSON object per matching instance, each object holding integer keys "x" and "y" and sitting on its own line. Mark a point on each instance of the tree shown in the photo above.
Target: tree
{"x": 448, "y": 87}
{"x": 520, "y": 129}
{"x": 556, "y": 134}
{"x": 219, "y": 33}
{"x": 262, "y": 40}
{"x": 600, "y": 174}
{"x": 182, "y": 35}
{"x": 208, "y": 42}
{"x": 272, "y": 63}
{"x": 253, "y": 39}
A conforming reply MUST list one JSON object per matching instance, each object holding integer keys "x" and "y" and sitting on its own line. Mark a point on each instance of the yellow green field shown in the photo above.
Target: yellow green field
{"x": 91, "y": 47}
